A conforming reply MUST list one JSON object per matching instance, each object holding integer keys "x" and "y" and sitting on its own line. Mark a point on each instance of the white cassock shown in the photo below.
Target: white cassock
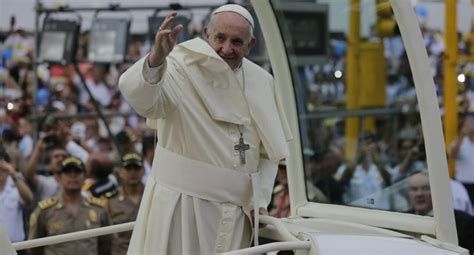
{"x": 199, "y": 195}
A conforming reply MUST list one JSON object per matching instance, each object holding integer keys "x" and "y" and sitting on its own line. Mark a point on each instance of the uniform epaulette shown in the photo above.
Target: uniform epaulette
{"x": 87, "y": 186}
{"x": 97, "y": 201}
{"x": 43, "y": 204}
{"x": 111, "y": 194}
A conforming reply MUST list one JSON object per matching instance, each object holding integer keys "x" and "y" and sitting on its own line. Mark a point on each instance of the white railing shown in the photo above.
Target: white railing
{"x": 73, "y": 236}
{"x": 278, "y": 246}
{"x": 291, "y": 242}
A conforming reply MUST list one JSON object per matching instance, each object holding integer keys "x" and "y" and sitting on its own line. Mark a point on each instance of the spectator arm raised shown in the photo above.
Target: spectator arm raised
{"x": 30, "y": 170}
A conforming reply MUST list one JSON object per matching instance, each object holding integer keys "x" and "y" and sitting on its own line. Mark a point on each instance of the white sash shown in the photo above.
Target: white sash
{"x": 206, "y": 181}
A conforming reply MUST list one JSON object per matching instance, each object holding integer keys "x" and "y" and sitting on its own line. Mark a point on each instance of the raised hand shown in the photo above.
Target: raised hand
{"x": 7, "y": 167}
{"x": 165, "y": 39}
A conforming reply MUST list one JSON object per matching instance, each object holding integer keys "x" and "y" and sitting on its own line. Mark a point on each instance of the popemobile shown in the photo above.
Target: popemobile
{"x": 335, "y": 115}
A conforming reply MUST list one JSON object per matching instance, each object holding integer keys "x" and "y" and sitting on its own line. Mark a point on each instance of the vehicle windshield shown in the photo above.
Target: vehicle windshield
{"x": 359, "y": 122}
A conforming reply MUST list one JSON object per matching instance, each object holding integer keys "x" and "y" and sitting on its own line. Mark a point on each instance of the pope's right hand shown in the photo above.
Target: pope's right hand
{"x": 165, "y": 39}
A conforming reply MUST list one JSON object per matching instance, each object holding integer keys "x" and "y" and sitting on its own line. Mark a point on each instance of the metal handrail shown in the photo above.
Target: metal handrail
{"x": 339, "y": 113}
{"x": 73, "y": 236}
{"x": 279, "y": 246}
{"x": 81, "y": 115}
{"x": 280, "y": 228}
{"x": 293, "y": 242}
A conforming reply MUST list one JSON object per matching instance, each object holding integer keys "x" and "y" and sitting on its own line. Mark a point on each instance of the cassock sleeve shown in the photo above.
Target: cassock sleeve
{"x": 153, "y": 75}
{"x": 267, "y": 171}
{"x": 152, "y": 92}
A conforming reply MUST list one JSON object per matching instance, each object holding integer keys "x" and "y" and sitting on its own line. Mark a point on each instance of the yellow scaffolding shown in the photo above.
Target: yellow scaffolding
{"x": 450, "y": 82}
{"x": 352, "y": 56}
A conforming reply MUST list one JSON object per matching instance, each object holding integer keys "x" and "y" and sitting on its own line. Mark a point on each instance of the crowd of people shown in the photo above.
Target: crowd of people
{"x": 390, "y": 150}
{"x": 76, "y": 196}
{"x": 389, "y": 156}
{"x": 61, "y": 171}
{"x": 324, "y": 84}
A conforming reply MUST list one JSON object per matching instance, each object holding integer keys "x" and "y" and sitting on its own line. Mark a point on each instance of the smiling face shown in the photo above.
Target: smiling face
{"x": 230, "y": 35}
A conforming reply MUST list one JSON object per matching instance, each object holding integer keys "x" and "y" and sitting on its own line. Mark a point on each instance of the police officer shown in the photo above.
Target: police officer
{"x": 70, "y": 212}
{"x": 124, "y": 206}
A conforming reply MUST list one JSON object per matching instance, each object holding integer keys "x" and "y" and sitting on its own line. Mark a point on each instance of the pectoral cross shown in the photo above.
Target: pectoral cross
{"x": 241, "y": 148}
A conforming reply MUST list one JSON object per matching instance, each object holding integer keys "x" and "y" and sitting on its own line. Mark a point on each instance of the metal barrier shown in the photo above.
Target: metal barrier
{"x": 81, "y": 115}
{"x": 279, "y": 246}
{"x": 291, "y": 242}
{"x": 73, "y": 236}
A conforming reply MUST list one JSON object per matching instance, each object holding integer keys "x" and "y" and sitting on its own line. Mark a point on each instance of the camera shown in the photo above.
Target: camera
{"x": 51, "y": 140}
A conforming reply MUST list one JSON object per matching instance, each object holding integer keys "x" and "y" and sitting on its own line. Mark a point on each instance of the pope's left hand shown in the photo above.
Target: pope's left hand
{"x": 262, "y": 211}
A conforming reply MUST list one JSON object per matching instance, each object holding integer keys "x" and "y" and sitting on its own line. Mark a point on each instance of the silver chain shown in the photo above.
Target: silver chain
{"x": 241, "y": 127}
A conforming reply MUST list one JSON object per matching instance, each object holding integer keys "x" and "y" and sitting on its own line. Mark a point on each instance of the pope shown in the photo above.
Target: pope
{"x": 221, "y": 133}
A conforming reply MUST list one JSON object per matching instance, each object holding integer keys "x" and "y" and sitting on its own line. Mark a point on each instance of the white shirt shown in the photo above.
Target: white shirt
{"x": 147, "y": 168}
{"x": 461, "y": 200}
{"x": 20, "y": 45}
{"x": 414, "y": 167}
{"x": 465, "y": 162}
{"x": 365, "y": 188}
{"x": 11, "y": 212}
{"x": 99, "y": 91}
{"x": 26, "y": 145}
{"x": 470, "y": 97}
{"x": 77, "y": 151}
{"x": 47, "y": 187}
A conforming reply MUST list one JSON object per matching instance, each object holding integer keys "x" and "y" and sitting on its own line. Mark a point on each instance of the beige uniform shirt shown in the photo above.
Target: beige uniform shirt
{"x": 122, "y": 210}
{"x": 51, "y": 217}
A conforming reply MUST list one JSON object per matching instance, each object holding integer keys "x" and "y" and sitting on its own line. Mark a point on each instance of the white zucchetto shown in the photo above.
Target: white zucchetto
{"x": 237, "y": 9}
